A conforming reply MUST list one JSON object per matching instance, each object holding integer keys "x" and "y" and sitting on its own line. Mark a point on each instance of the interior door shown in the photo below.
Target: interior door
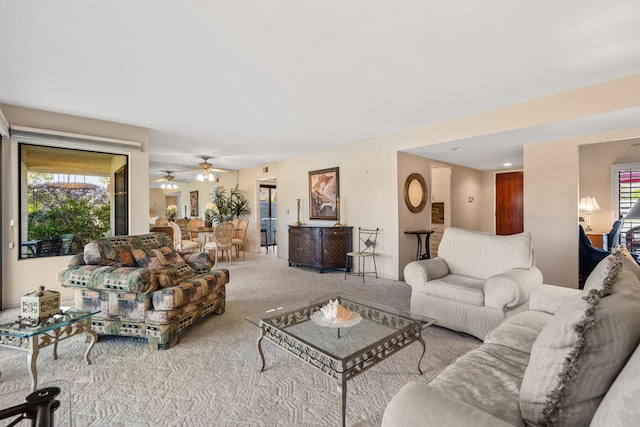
{"x": 509, "y": 203}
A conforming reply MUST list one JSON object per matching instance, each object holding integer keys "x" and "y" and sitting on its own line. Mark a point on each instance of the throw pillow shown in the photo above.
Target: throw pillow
{"x": 171, "y": 276}
{"x": 156, "y": 258}
{"x": 125, "y": 257}
{"x": 579, "y": 353}
{"x": 603, "y": 270}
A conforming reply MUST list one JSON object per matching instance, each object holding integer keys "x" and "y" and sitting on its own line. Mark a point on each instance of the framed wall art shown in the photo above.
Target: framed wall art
{"x": 193, "y": 196}
{"x": 324, "y": 191}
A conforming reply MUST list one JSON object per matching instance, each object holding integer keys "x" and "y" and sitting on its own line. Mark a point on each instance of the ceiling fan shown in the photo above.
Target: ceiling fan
{"x": 167, "y": 181}
{"x": 206, "y": 170}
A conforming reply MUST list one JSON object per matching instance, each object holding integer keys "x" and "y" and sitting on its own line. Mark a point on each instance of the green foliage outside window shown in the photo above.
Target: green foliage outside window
{"x": 55, "y": 209}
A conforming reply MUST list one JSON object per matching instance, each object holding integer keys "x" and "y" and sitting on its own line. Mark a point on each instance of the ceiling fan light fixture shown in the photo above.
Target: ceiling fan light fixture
{"x": 208, "y": 176}
{"x": 169, "y": 186}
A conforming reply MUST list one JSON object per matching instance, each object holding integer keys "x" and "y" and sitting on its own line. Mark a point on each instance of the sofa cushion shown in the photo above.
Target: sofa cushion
{"x": 189, "y": 290}
{"x": 620, "y": 405}
{"x": 520, "y": 331}
{"x": 122, "y": 279}
{"x": 488, "y": 378}
{"x": 580, "y": 351}
{"x": 484, "y": 254}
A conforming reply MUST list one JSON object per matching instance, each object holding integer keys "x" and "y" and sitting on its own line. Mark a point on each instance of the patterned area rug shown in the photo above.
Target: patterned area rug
{"x": 212, "y": 378}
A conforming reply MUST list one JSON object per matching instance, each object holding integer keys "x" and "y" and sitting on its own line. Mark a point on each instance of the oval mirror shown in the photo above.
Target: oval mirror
{"x": 415, "y": 192}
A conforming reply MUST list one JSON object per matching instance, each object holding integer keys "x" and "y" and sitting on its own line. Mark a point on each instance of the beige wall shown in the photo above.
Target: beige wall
{"x": 596, "y": 180}
{"x": 550, "y": 208}
{"x": 368, "y": 195}
{"x": 551, "y": 201}
{"x": 467, "y": 183}
{"x": 22, "y": 276}
{"x": 407, "y": 220}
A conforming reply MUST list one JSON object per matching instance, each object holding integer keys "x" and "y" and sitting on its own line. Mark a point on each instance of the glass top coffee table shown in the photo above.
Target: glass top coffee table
{"x": 342, "y": 352}
{"x": 49, "y": 332}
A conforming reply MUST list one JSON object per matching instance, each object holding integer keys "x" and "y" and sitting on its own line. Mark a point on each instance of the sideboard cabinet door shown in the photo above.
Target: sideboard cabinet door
{"x": 319, "y": 247}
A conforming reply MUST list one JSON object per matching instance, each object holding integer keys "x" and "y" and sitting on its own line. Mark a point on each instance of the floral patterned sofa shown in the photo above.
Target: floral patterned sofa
{"x": 144, "y": 288}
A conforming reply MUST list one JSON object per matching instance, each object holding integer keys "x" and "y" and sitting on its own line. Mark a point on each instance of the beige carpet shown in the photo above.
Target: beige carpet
{"x": 211, "y": 378}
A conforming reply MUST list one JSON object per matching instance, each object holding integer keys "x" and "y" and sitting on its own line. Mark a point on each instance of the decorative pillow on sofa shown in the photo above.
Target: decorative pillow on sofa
{"x": 603, "y": 270}
{"x": 579, "y": 353}
{"x": 113, "y": 251}
{"x": 200, "y": 261}
{"x": 156, "y": 258}
{"x": 171, "y": 276}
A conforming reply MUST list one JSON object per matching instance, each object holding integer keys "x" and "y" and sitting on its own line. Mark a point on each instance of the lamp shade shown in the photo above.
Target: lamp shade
{"x": 634, "y": 212}
{"x": 588, "y": 204}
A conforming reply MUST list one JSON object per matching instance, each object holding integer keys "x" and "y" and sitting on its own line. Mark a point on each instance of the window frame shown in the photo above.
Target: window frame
{"x": 616, "y": 169}
{"x": 69, "y": 141}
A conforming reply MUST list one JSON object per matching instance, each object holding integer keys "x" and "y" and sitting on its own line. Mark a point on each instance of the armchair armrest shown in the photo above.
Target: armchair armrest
{"x": 419, "y": 272}
{"x": 550, "y": 298}
{"x": 511, "y": 288}
{"x": 199, "y": 261}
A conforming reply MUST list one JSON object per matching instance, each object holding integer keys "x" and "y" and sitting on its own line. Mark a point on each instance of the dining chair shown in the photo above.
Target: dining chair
{"x": 222, "y": 237}
{"x": 182, "y": 242}
{"x": 67, "y": 240}
{"x": 193, "y": 227}
{"x": 239, "y": 237}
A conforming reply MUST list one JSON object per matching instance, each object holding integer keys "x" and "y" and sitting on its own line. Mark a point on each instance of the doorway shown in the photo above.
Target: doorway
{"x": 268, "y": 216}
{"x": 509, "y": 203}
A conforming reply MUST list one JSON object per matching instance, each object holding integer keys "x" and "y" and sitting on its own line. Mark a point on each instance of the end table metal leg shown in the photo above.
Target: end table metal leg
{"x": 261, "y": 353}
{"x": 32, "y": 358}
{"x": 424, "y": 348}
{"x": 94, "y": 339}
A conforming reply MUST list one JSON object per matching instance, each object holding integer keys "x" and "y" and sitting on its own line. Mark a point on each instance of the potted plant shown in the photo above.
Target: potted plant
{"x": 210, "y": 213}
{"x": 172, "y": 212}
{"x": 230, "y": 206}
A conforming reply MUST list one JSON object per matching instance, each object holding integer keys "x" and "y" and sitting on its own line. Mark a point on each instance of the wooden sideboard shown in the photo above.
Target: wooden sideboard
{"x": 323, "y": 248}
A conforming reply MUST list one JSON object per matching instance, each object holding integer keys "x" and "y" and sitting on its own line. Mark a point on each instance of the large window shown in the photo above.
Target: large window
{"x": 69, "y": 197}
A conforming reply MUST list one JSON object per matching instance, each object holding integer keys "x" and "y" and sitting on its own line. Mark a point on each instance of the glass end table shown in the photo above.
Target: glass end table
{"x": 49, "y": 332}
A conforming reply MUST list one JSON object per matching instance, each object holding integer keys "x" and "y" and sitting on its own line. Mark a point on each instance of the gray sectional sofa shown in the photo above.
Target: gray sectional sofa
{"x": 571, "y": 359}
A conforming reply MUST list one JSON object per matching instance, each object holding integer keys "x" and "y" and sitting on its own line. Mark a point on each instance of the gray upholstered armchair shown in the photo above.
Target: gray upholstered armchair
{"x": 477, "y": 280}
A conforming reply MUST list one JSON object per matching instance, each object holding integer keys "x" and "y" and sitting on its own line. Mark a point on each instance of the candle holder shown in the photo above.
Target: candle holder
{"x": 298, "y": 223}
{"x": 338, "y": 223}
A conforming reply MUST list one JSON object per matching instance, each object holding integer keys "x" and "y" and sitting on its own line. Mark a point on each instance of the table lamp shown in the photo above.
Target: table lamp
{"x": 588, "y": 204}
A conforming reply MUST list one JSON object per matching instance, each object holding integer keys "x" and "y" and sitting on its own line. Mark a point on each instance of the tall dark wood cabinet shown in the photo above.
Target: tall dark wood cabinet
{"x": 323, "y": 248}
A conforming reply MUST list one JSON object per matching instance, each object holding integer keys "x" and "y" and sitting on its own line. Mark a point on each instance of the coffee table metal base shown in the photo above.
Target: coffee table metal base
{"x": 340, "y": 369}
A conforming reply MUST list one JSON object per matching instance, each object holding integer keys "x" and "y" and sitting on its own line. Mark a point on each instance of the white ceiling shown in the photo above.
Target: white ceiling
{"x": 251, "y": 82}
